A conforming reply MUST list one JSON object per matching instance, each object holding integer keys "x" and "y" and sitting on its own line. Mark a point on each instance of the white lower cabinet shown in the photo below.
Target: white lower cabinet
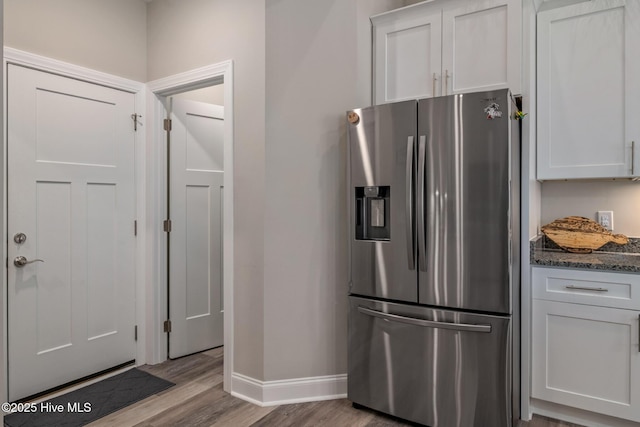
{"x": 585, "y": 356}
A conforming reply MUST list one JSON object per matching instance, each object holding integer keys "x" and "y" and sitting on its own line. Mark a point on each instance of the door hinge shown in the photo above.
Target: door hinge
{"x": 135, "y": 227}
{"x": 135, "y": 333}
{"x": 167, "y": 125}
{"x": 136, "y": 121}
{"x": 167, "y": 326}
{"x": 166, "y": 225}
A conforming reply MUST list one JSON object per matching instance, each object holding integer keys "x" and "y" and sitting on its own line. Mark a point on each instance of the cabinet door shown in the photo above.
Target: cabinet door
{"x": 586, "y": 357}
{"x": 588, "y": 90}
{"x": 481, "y": 46}
{"x": 407, "y": 54}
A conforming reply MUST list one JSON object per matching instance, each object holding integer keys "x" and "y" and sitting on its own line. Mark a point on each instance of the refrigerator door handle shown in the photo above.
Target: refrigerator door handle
{"x": 465, "y": 327}
{"x": 409, "y": 205}
{"x": 422, "y": 247}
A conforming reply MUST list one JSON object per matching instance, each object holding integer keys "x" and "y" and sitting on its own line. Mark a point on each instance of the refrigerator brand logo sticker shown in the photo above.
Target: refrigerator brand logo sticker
{"x": 493, "y": 111}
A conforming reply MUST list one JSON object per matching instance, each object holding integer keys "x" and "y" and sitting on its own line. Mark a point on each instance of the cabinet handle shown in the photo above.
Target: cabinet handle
{"x": 585, "y": 288}
{"x": 433, "y": 89}
{"x": 633, "y": 161}
{"x": 446, "y": 82}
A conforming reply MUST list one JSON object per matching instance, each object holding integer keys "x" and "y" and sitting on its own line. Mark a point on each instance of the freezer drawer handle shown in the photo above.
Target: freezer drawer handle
{"x": 586, "y": 288}
{"x": 425, "y": 323}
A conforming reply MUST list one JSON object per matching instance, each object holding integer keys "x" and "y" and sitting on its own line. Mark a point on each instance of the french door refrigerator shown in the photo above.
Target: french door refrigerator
{"x": 434, "y": 259}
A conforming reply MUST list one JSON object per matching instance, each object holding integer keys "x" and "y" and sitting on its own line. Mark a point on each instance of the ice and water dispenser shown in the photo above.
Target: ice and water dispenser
{"x": 372, "y": 213}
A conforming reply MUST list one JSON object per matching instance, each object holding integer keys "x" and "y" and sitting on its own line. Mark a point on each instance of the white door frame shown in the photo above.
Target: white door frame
{"x": 157, "y": 92}
{"x": 14, "y": 56}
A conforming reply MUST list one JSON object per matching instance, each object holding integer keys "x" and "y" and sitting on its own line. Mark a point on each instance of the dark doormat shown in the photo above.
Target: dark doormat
{"x": 82, "y": 406}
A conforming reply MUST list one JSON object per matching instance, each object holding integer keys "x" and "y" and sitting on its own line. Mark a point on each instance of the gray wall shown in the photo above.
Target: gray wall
{"x": 310, "y": 74}
{"x": 108, "y": 36}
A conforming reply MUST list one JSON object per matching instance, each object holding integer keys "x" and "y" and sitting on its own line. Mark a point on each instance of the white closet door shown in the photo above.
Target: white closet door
{"x": 196, "y": 190}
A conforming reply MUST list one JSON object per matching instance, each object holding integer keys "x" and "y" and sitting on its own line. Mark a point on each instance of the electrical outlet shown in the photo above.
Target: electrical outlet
{"x": 605, "y": 218}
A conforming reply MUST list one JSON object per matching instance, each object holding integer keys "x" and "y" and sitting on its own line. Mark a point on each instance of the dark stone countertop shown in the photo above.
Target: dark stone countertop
{"x": 610, "y": 257}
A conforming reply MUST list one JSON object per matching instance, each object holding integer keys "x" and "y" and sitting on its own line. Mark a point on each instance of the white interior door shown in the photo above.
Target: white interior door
{"x": 195, "y": 242}
{"x": 71, "y": 194}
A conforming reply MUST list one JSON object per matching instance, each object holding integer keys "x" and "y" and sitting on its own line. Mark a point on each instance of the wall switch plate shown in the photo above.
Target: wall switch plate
{"x": 605, "y": 218}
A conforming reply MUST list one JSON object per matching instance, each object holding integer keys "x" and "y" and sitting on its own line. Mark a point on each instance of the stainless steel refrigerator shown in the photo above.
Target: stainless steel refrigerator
{"x": 434, "y": 259}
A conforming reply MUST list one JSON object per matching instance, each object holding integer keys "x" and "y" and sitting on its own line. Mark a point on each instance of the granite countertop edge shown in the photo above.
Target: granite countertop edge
{"x": 610, "y": 257}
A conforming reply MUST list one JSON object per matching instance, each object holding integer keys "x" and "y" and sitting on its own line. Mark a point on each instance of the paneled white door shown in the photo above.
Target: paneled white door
{"x": 195, "y": 242}
{"x": 71, "y": 204}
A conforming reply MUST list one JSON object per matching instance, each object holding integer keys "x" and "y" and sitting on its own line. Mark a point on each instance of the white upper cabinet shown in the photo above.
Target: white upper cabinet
{"x": 407, "y": 56}
{"x": 439, "y": 48}
{"x": 589, "y": 90}
{"x": 481, "y": 46}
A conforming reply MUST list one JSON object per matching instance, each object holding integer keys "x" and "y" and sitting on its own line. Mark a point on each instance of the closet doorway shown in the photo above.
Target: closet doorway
{"x": 165, "y": 100}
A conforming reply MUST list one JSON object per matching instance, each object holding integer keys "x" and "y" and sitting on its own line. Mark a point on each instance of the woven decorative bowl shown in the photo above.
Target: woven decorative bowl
{"x": 580, "y": 235}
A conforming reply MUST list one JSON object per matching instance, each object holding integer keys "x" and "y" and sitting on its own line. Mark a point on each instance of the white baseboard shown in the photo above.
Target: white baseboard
{"x": 281, "y": 392}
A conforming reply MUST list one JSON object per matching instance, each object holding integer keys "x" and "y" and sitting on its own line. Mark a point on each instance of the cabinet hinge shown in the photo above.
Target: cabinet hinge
{"x": 135, "y": 333}
{"x": 167, "y": 125}
{"x": 166, "y": 225}
{"x": 167, "y": 325}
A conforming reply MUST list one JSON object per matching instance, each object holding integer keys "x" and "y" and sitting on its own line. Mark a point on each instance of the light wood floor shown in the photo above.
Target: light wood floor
{"x": 197, "y": 399}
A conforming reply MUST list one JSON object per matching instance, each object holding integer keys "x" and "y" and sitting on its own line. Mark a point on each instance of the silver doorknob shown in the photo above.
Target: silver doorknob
{"x": 21, "y": 261}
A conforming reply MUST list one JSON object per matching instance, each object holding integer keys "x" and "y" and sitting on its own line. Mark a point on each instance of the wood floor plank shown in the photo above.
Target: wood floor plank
{"x": 243, "y": 415}
{"x": 203, "y": 409}
{"x": 151, "y": 406}
{"x": 215, "y": 352}
{"x": 186, "y": 369}
{"x": 326, "y": 413}
{"x": 213, "y": 407}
